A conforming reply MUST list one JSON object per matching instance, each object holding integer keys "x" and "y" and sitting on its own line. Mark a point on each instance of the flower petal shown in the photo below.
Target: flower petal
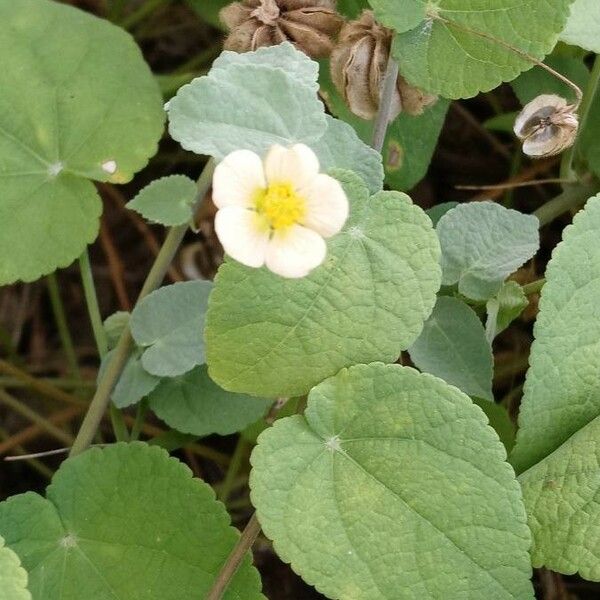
{"x": 236, "y": 179}
{"x": 295, "y": 252}
{"x": 326, "y": 206}
{"x": 242, "y": 235}
{"x": 297, "y": 165}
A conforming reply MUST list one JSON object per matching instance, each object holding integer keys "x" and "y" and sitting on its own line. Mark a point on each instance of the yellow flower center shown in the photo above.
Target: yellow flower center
{"x": 280, "y": 205}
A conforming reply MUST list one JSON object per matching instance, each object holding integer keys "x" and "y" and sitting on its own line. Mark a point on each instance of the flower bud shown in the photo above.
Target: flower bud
{"x": 546, "y": 126}
{"x": 308, "y": 24}
{"x": 358, "y": 65}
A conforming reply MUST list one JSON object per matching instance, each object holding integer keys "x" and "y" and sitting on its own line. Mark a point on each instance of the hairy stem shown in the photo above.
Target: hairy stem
{"x": 385, "y": 105}
{"x": 234, "y": 560}
{"x": 573, "y": 197}
{"x": 115, "y": 366}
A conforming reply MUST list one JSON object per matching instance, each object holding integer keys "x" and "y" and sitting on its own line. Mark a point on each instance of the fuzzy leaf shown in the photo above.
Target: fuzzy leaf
{"x": 124, "y": 522}
{"x": 193, "y": 403}
{"x": 583, "y": 26}
{"x": 75, "y": 94}
{"x": 453, "y": 346}
{"x": 367, "y": 302}
{"x": 247, "y": 104}
{"x": 441, "y": 51}
{"x": 505, "y": 307}
{"x": 340, "y": 147}
{"x": 392, "y": 485}
{"x": 482, "y": 244}
{"x": 167, "y": 201}
{"x": 169, "y": 323}
{"x": 562, "y": 390}
{"x": 13, "y": 577}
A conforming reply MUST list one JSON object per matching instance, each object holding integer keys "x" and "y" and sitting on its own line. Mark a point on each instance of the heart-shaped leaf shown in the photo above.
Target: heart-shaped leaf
{"x": 77, "y": 102}
{"x": 367, "y": 302}
{"x": 392, "y": 485}
{"x": 583, "y": 26}
{"x": 124, "y": 522}
{"x": 13, "y": 577}
{"x": 193, "y": 403}
{"x": 169, "y": 324}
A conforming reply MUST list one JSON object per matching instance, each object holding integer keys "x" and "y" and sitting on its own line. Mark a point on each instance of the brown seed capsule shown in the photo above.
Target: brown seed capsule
{"x": 308, "y": 24}
{"x": 358, "y": 65}
{"x": 547, "y": 126}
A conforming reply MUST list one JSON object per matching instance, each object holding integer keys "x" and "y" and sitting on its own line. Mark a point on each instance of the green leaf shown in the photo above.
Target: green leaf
{"x": 340, "y": 147}
{"x": 168, "y": 201}
{"x": 76, "y": 101}
{"x": 193, "y": 403}
{"x": 410, "y": 141}
{"x": 13, "y": 577}
{"x": 499, "y": 420}
{"x": 392, "y": 485}
{"x": 505, "y": 307}
{"x": 448, "y": 47}
{"x": 367, "y": 302}
{"x": 209, "y": 10}
{"x": 351, "y": 8}
{"x": 134, "y": 383}
{"x": 114, "y": 325}
{"x": 169, "y": 324}
{"x": 453, "y": 346}
{"x": 583, "y": 26}
{"x": 482, "y": 244}
{"x": 561, "y": 497}
{"x": 538, "y": 81}
{"x": 435, "y": 213}
{"x": 562, "y": 388}
{"x": 124, "y": 522}
{"x": 247, "y": 104}
{"x": 251, "y": 433}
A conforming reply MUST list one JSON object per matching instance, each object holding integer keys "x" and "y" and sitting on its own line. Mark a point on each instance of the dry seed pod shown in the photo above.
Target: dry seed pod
{"x": 546, "y": 126}
{"x": 308, "y": 24}
{"x": 358, "y": 65}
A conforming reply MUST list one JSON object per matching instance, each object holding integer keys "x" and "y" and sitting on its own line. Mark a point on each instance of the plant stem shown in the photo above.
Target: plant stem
{"x": 140, "y": 415}
{"x": 572, "y": 197}
{"x": 566, "y": 165}
{"x": 40, "y": 467}
{"x": 91, "y": 299}
{"x": 122, "y": 351}
{"x": 234, "y": 560}
{"x": 60, "y": 318}
{"x": 385, "y": 105}
{"x": 234, "y": 468}
{"x": 146, "y": 8}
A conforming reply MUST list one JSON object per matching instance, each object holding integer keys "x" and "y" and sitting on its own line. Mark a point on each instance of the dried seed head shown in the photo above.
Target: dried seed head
{"x": 546, "y": 126}
{"x": 358, "y": 65}
{"x": 308, "y": 24}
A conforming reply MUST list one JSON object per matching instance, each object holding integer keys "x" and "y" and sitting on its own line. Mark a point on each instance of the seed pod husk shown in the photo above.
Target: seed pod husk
{"x": 358, "y": 65}
{"x": 546, "y": 126}
{"x": 309, "y": 24}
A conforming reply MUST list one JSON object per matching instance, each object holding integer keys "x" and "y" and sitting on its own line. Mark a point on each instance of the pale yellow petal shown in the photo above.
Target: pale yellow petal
{"x": 243, "y": 237}
{"x": 295, "y": 252}
{"x": 326, "y": 206}
{"x": 297, "y": 165}
{"x": 237, "y": 178}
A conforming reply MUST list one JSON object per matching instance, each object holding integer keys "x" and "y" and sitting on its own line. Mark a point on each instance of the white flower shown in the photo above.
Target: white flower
{"x": 277, "y": 212}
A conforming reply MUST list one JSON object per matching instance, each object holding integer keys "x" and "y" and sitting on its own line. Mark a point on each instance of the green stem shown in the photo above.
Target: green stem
{"x": 234, "y": 560}
{"x": 146, "y": 8}
{"x": 91, "y": 299}
{"x": 140, "y": 415}
{"x": 60, "y": 318}
{"x": 385, "y": 105}
{"x": 235, "y": 465}
{"x": 115, "y": 366}
{"x": 566, "y": 165}
{"x": 572, "y": 197}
